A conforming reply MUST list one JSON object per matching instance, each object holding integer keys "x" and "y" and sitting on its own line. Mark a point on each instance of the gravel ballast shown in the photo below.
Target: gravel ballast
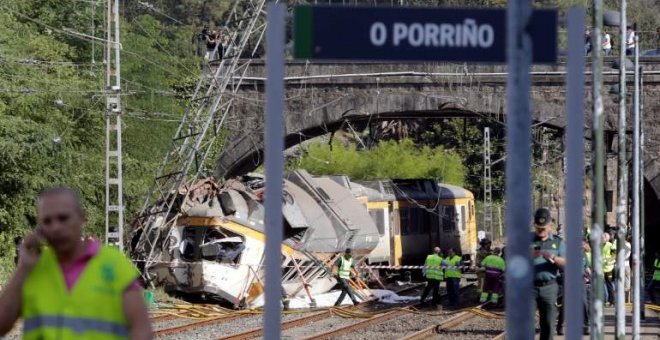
{"x": 474, "y": 329}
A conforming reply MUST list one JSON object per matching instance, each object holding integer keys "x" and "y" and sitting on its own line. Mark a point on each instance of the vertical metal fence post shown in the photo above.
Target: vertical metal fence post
{"x": 636, "y": 206}
{"x": 519, "y": 320}
{"x": 622, "y": 188}
{"x": 274, "y": 142}
{"x": 598, "y": 147}
{"x": 574, "y": 281}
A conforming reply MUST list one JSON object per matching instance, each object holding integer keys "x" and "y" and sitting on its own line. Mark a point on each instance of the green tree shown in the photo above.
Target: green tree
{"x": 389, "y": 159}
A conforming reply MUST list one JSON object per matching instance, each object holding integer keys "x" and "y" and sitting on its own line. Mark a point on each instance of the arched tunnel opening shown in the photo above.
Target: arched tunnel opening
{"x": 651, "y": 225}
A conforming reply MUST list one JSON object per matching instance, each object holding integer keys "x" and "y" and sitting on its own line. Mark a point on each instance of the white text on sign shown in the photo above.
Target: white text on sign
{"x": 467, "y": 34}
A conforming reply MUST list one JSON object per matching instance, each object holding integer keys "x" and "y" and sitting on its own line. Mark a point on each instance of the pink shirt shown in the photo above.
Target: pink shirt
{"x": 72, "y": 271}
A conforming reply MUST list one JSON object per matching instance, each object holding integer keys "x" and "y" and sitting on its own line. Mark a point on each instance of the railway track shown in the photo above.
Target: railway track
{"x": 308, "y": 319}
{"x": 366, "y": 323}
{"x": 445, "y": 325}
{"x": 196, "y": 324}
{"x": 251, "y": 333}
{"x": 163, "y": 317}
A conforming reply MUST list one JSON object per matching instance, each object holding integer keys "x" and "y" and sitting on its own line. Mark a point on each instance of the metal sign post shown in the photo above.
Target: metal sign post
{"x": 574, "y": 288}
{"x": 636, "y": 259}
{"x": 519, "y": 271}
{"x": 622, "y": 189}
{"x": 274, "y": 141}
{"x": 598, "y": 169}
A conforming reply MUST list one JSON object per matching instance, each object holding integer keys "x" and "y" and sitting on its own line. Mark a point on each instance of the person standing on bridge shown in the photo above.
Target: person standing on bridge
{"x": 433, "y": 272}
{"x": 343, "y": 268}
{"x": 548, "y": 258}
{"x": 453, "y": 276}
{"x": 72, "y": 288}
{"x": 607, "y": 44}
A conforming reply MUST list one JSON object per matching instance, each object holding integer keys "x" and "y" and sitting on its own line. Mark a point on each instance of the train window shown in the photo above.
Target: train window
{"x": 378, "y": 216}
{"x": 463, "y": 221}
{"x": 404, "y": 217}
{"x": 471, "y": 211}
{"x": 448, "y": 219}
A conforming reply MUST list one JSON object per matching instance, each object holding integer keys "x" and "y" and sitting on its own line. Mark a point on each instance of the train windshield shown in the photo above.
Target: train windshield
{"x": 211, "y": 244}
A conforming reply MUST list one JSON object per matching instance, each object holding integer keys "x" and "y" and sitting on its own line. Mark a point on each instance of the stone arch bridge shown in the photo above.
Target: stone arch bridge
{"x": 321, "y": 97}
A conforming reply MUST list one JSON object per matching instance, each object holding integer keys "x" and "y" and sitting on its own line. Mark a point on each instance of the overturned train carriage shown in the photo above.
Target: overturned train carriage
{"x": 413, "y": 216}
{"x": 215, "y": 246}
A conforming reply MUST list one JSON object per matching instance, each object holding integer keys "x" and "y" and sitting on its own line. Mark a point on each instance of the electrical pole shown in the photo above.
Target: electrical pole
{"x": 598, "y": 209}
{"x": 621, "y": 218}
{"x": 488, "y": 187}
{"x": 114, "y": 200}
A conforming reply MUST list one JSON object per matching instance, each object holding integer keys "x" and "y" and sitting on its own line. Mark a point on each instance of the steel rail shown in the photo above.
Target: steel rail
{"x": 370, "y": 321}
{"x": 214, "y": 320}
{"x": 162, "y": 317}
{"x": 252, "y": 333}
{"x": 447, "y": 324}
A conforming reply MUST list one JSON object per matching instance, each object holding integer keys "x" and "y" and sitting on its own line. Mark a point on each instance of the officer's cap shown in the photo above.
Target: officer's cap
{"x": 542, "y": 217}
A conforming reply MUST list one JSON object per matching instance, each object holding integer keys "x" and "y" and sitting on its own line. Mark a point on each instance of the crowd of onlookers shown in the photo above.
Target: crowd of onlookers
{"x": 629, "y": 43}
{"x": 211, "y": 44}
{"x": 606, "y": 42}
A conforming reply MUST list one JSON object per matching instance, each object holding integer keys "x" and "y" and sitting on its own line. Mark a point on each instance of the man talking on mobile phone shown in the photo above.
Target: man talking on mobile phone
{"x": 70, "y": 288}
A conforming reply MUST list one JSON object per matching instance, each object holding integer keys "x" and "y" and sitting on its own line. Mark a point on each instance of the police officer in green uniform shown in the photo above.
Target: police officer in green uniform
{"x": 548, "y": 257}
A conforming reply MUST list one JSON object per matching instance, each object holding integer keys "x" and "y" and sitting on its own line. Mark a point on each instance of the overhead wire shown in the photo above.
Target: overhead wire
{"x": 163, "y": 48}
{"x": 153, "y": 8}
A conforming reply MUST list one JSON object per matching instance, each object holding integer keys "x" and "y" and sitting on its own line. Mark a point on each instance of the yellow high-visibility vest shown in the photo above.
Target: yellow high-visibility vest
{"x": 433, "y": 262}
{"x": 609, "y": 257}
{"x": 656, "y": 273}
{"x": 345, "y": 266}
{"x": 453, "y": 262}
{"x": 93, "y": 309}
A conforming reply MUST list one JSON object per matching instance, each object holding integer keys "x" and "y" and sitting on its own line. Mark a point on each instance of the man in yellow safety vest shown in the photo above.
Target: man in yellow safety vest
{"x": 342, "y": 269}
{"x": 453, "y": 276}
{"x": 433, "y": 273}
{"x": 71, "y": 288}
{"x": 609, "y": 260}
{"x": 655, "y": 281}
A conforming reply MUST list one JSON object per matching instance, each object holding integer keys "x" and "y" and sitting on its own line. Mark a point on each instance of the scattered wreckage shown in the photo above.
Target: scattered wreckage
{"x": 215, "y": 245}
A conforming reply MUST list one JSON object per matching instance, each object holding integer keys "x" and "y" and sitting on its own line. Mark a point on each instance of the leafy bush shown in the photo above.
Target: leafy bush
{"x": 389, "y": 159}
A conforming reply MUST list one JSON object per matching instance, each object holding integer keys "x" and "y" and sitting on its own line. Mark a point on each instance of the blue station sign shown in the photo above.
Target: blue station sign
{"x": 415, "y": 34}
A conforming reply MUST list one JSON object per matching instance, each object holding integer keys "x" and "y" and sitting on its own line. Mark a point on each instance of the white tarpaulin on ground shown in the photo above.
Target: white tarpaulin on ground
{"x": 328, "y": 299}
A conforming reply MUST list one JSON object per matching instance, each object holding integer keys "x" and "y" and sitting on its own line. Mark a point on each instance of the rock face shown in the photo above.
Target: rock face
{"x": 321, "y": 97}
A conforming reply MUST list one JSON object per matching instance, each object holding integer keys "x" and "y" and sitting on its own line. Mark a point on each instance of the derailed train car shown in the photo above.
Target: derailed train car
{"x": 216, "y": 246}
{"x": 413, "y": 216}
